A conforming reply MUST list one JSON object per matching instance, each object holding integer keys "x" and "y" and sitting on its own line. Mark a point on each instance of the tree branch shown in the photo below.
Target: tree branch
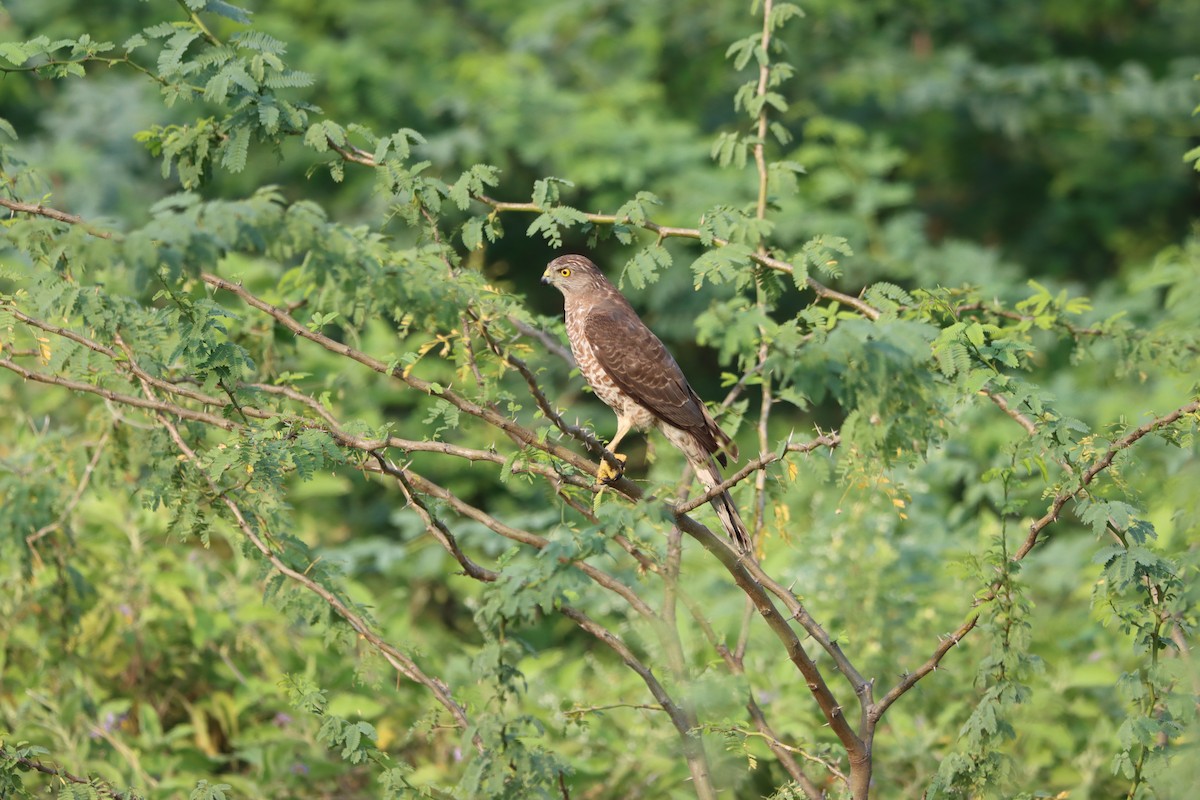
{"x": 101, "y": 786}
{"x": 745, "y": 571}
{"x": 435, "y": 526}
{"x": 40, "y": 210}
{"x": 1002, "y": 403}
{"x": 399, "y": 661}
{"x": 488, "y": 415}
{"x": 1101, "y": 464}
{"x": 830, "y": 440}
{"x": 549, "y": 342}
{"x": 784, "y": 752}
{"x": 117, "y": 397}
{"x": 574, "y": 431}
{"x": 80, "y": 488}
{"x": 693, "y": 747}
{"x": 736, "y": 667}
{"x": 601, "y": 578}
{"x": 910, "y": 679}
{"x": 1031, "y": 540}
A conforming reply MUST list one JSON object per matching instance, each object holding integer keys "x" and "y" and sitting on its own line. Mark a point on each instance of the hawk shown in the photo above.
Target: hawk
{"x": 631, "y": 371}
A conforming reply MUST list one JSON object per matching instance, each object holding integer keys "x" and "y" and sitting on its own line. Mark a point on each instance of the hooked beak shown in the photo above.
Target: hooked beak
{"x": 545, "y": 277}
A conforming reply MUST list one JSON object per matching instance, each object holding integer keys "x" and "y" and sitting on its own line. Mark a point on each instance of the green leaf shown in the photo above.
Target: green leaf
{"x": 16, "y": 53}
{"x": 721, "y": 264}
{"x": 643, "y": 268}
{"x": 742, "y": 50}
{"x": 170, "y": 59}
{"x": 320, "y": 134}
{"x": 546, "y": 191}
{"x": 822, "y": 252}
{"x": 974, "y": 334}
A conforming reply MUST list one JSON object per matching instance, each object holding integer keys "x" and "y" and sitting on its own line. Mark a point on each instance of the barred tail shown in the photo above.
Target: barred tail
{"x": 727, "y": 512}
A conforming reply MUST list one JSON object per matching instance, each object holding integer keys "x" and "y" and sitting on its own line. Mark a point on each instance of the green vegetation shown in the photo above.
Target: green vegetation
{"x": 296, "y": 493}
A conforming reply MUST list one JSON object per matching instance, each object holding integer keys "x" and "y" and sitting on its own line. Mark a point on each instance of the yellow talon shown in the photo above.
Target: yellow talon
{"x": 606, "y": 473}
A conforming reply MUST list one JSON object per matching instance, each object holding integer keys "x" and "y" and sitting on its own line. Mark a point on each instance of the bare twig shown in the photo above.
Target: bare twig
{"x": 736, "y": 390}
{"x": 830, "y": 440}
{"x": 299, "y": 397}
{"x": 784, "y": 751}
{"x": 549, "y": 342}
{"x": 910, "y": 679}
{"x": 352, "y": 153}
{"x": 582, "y": 710}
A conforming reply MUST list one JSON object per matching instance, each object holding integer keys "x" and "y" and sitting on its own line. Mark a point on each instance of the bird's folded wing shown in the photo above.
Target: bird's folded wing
{"x": 641, "y": 367}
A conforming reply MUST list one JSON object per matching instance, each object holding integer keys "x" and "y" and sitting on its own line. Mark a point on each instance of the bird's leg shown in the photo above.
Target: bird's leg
{"x": 607, "y": 473}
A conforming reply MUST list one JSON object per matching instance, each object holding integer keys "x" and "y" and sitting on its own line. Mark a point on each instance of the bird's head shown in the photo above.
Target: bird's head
{"x": 571, "y": 274}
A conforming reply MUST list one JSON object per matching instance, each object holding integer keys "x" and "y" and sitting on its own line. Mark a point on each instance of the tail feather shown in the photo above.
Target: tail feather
{"x": 721, "y": 444}
{"x": 722, "y": 503}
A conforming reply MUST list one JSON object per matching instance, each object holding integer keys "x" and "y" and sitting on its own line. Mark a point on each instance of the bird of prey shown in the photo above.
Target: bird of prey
{"x": 631, "y": 371}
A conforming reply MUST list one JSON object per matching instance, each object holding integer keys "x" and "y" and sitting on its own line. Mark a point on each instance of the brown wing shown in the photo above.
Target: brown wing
{"x": 640, "y": 366}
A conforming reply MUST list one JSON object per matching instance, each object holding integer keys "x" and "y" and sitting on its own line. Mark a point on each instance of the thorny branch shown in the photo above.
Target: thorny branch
{"x": 830, "y": 440}
{"x": 435, "y": 526}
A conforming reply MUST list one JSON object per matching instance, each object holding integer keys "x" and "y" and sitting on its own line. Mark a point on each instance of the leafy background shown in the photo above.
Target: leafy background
{"x": 1023, "y": 163}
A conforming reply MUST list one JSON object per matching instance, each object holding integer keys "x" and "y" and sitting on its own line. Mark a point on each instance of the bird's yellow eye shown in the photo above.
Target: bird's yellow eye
{"x": 565, "y": 272}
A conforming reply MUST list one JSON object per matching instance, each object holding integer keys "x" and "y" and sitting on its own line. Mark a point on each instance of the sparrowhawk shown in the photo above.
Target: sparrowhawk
{"x": 631, "y": 371}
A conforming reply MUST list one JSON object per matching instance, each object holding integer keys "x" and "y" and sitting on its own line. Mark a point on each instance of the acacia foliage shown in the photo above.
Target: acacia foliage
{"x": 310, "y": 371}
